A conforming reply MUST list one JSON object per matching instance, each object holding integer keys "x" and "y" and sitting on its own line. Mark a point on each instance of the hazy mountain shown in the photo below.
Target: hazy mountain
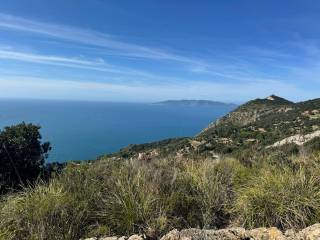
{"x": 195, "y": 103}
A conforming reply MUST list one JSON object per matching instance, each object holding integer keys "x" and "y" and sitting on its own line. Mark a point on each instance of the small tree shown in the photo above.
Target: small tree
{"x": 22, "y": 155}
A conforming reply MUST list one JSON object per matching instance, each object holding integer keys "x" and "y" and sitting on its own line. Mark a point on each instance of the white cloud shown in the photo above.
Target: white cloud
{"x": 233, "y": 70}
{"x": 90, "y": 37}
{"x": 31, "y": 57}
{"x": 80, "y": 63}
{"x": 227, "y": 76}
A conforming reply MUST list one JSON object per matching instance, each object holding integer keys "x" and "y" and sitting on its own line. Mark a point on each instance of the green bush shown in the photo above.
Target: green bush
{"x": 22, "y": 156}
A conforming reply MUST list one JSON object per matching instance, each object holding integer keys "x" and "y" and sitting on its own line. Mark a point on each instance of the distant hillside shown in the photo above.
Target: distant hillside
{"x": 195, "y": 103}
{"x": 256, "y": 126}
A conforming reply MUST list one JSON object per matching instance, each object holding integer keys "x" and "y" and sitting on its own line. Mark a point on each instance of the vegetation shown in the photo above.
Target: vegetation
{"x": 249, "y": 128}
{"x": 22, "y": 155}
{"x": 112, "y": 197}
{"x": 225, "y": 176}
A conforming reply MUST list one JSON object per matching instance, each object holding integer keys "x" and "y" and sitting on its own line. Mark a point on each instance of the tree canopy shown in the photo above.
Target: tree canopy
{"x": 22, "y": 155}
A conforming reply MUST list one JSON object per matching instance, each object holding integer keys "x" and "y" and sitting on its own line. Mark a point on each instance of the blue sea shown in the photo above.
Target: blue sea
{"x": 86, "y": 130}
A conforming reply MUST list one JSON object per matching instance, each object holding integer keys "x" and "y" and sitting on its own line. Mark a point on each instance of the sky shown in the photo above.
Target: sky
{"x": 152, "y": 50}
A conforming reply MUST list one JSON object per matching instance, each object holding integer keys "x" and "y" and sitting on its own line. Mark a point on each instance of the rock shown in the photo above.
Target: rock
{"x": 109, "y": 238}
{"x": 297, "y": 139}
{"x": 144, "y": 156}
{"x": 172, "y": 235}
{"x": 106, "y": 238}
{"x": 264, "y": 234}
{"x": 309, "y": 233}
{"x": 135, "y": 237}
{"x": 198, "y": 234}
{"x": 122, "y": 238}
{"x": 290, "y": 234}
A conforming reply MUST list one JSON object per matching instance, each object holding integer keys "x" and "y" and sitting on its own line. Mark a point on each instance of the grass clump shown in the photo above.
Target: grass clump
{"x": 44, "y": 212}
{"x": 130, "y": 204}
{"x": 122, "y": 197}
{"x": 60, "y": 209}
{"x": 284, "y": 198}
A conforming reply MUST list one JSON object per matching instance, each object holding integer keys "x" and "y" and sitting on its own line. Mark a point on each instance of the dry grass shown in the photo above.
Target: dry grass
{"x": 110, "y": 197}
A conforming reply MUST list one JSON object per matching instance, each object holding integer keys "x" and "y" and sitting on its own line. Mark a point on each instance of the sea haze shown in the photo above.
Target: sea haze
{"x": 85, "y": 130}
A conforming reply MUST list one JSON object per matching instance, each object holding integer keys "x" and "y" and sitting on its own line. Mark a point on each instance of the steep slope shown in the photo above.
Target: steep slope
{"x": 260, "y": 123}
{"x": 253, "y": 111}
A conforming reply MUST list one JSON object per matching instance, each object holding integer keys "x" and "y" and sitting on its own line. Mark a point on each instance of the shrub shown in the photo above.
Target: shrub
{"x": 22, "y": 155}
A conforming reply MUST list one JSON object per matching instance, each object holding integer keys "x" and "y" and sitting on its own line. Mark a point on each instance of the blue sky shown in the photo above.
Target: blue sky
{"x": 148, "y": 50}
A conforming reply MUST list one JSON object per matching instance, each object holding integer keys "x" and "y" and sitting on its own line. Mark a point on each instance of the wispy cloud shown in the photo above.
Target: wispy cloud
{"x": 220, "y": 70}
{"x": 10, "y": 53}
{"x": 90, "y": 37}
{"x": 253, "y": 70}
{"x": 22, "y": 56}
{"x": 81, "y": 63}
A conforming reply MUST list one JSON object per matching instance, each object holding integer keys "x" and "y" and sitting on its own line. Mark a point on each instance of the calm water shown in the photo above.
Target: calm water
{"x": 85, "y": 130}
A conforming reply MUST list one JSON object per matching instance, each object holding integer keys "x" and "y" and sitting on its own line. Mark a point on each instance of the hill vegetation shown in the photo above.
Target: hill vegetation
{"x": 231, "y": 174}
{"x": 252, "y": 128}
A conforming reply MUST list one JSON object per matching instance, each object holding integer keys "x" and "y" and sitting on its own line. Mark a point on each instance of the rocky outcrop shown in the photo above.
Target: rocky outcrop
{"x": 309, "y": 233}
{"x": 298, "y": 139}
{"x": 133, "y": 237}
{"x": 226, "y": 234}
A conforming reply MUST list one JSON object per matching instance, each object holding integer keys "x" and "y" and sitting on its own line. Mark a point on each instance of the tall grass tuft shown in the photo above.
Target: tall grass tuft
{"x": 284, "y": 198}
{"x": 61, "y": 209}
{"x": 122, "y": 197}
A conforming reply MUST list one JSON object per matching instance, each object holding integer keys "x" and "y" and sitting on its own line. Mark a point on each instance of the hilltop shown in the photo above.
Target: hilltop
{"x": 257, "y": 125}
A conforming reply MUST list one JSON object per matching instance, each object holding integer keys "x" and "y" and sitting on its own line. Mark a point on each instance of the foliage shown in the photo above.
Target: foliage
{"x": 22, "y": 155}
{"x": 180, "y": 186}
{"x": 122, "y": 197}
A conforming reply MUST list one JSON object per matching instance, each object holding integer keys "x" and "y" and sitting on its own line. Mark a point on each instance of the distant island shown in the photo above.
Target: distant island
{"x": 195, "y": 103}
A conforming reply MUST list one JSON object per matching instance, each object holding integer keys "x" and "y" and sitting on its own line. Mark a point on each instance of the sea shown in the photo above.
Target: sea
{"x": 85, "y": 130}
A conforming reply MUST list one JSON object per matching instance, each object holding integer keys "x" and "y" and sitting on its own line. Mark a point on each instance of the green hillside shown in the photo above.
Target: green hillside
{"x": 255, "y": 126}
